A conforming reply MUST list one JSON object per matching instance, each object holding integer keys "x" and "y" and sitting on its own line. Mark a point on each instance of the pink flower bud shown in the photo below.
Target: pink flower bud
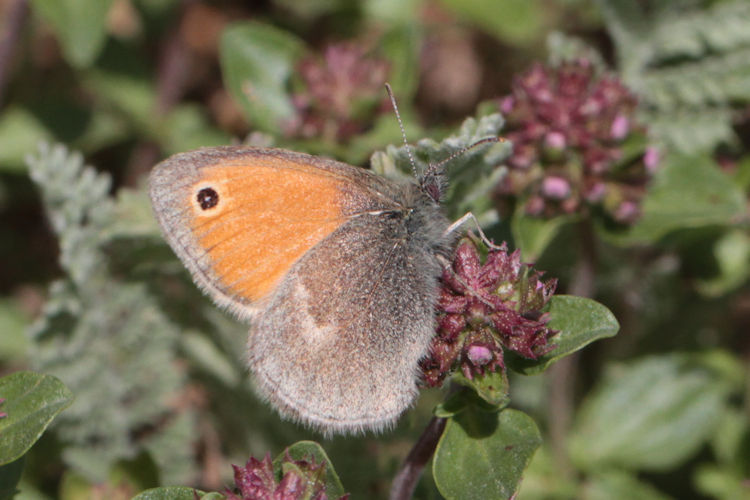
{"x": 479, "y": 355}
{"x": 506, "y": 105}
{"x": 535, "y": 205}
{"x": 555, "y": 188}
{"x": 555, "y": 140}
{"x": 627, "y": 212}
{"x": 620, "y": 127}
{"x": 651, "y": 159}
{"x": 595, "y": 193}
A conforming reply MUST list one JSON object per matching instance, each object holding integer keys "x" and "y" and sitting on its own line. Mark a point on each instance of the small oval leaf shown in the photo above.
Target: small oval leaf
{"x": 579, "y": 321}
{"x": 80, "y": 25}
{"x": 303, "y": 450}
{"x": 484, "y": 454}
{"x": 257, "y": 61}
{"x": 174, "y": 493}
{"x": 534, "y": 234}
{"x": 32, "y": 400}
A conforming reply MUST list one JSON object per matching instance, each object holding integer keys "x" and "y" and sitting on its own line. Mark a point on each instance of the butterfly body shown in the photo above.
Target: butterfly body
{"x": 336, "y": 269}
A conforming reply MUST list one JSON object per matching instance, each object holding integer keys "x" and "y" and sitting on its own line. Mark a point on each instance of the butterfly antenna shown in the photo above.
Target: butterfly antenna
{"x": 401, "y": 126}
{"x": 461, "y": 151}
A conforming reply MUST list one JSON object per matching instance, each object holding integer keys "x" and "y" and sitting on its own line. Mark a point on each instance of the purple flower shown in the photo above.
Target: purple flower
{"x": 568, "y": 126}
{"x": 342, "y": 93}
{"x": 651, "y": 159}
{"x": 478, "y": 354}
{"x": 620, "y": 127}
{"x": 555, "y": 140}
{"x": 627, "y": 211}
{"x": 555, "y": 188}
{"x": 484, "y": 309}
{"x": 257, "y": 481}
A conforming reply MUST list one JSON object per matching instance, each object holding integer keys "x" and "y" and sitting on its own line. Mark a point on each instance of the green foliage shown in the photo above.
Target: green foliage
{"x": 534, "y": 234}
{"x": 32, "y": 401}
{"x": 515, "y": 20}
{"x": 616, "y": 484}
{"x": 159, "y": 377}
{"x": 472, "y": 175}
{"x": 305, "y": 450}
{"x": 80, "y": 26}
{"x": 482, "y": 454}
{"x": 174, "y": 493}
{"x": 257, "y": 61}
{"x": 732, "y": 254}
{"x": 579, "y": 321}
{"x": 13, "y": 324}
{"x": 28, "y": 403}
{"x": 10, "y": 474}
{"x": 690, "y": 63}
{"x": 105, "y": 338}
{"x": 682, "y": 399}
{"x": 686, "y": 193}
{"x": 20, "y": 132}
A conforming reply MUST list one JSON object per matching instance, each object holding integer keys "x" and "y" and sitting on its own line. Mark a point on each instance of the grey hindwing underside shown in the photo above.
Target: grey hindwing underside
{"x": 338, "y": 345}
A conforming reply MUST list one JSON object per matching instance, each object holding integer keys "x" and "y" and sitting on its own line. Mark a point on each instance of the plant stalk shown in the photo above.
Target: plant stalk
{"x": 408, "y": 475}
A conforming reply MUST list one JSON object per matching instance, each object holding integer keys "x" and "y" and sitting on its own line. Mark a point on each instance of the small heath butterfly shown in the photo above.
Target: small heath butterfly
{"x": 335, "y": 267}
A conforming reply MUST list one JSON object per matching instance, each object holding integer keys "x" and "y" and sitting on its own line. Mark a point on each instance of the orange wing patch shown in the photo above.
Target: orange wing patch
{"x": 255, "y": 220}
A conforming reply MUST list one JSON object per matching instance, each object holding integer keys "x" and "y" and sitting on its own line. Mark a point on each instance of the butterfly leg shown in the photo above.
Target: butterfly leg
{"x": 470, "y": 216}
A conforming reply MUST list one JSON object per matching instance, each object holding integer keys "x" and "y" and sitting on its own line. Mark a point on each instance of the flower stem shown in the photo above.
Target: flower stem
{"x": 10, "y": 32}
{"x": 408, "y": 475}
{"x": 563, "y": 374}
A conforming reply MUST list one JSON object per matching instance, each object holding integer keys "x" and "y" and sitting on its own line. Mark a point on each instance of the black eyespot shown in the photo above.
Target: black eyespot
{"x": 208, "y": 198}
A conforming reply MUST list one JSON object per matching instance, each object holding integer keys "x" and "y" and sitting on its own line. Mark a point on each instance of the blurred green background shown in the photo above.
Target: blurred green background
{"x": 89, "y": 292}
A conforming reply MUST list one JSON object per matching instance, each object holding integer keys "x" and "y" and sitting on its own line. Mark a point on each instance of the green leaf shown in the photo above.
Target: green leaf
{"x": 721, "y": 482}
{"x": 732, "y": 253}
{"x": 689, "y": 64}
{"x": 303, "y": 450}
{"x": 686, "y": 193}
{"x": 471, "y": 176}
{"x": 80, "y": 26}
{"x": 514, "y": 20}
{"x": 533, "y": 234}
{"x": 257, "y": 61}
{"x": 652, "y": 414}
{"x": 579, "y": 321}
{"x": 13, "y": 324}
{"x": 729, "y": 443}
{"x": 491, "y": 387}
{"x": 483, "y": 454}
{"x": 32, "y": 400}
{"x": 619, "y": 484}
{"x": 10, "y": 474}
{"x": 401, "y": 47}
{"x": 173, "y": 493}
{"x": 544, "y": 479}
{"x": 20, "y": 132}
{"x": 457, "y": 401}
{"x": 454, "y": 404}
{"x": 187, "y": 127}
{"x": 131, "y": 93}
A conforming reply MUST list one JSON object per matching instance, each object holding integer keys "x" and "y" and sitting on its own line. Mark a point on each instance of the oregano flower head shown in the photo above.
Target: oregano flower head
{"x": 342, "y": 93}
{"x": 300, "y": 480}
{"x": 485, "y": 308}
{"x": 577, "y": 144}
